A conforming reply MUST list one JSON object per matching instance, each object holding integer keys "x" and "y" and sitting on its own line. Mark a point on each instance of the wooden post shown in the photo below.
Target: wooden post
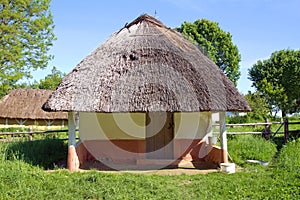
{"x": 267, "y": 130}
{"x": 209, "y": 130}
{"x": 6, "y": 123}
{"x": 223, "y": 136}
{"x": 210, "y": 127}
{"x": 30, "y": 135}
{"x": 73, "y": 162}
{"x": 286, "y": 129}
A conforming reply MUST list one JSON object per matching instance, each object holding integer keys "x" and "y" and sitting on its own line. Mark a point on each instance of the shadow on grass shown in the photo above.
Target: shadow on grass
{"x": 45, "y": 153}
{"x": 279, "y": 140}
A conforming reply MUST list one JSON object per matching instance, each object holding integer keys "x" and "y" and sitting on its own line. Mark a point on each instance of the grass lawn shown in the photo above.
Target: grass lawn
{"x": 21, "y": 181}
{"x": 23, "y": 176}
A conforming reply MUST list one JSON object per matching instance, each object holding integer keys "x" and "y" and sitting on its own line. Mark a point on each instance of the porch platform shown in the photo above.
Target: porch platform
{"x": 149, "y": 164}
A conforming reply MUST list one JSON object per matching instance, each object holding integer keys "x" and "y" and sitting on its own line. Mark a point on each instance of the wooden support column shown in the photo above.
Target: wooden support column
{"x": 49, "y": 123}
{"x": 210, "y": 122}
{"x": 6, "y": 123}
{"x": 223, "y": 136}
{"x": 209, "y": 130}
{"x": 73, "y": 162}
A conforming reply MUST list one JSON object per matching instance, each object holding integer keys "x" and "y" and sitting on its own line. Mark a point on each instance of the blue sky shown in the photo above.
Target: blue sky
{"x": 258, "y": 27}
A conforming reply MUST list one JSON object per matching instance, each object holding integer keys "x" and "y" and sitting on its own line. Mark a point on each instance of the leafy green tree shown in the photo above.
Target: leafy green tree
{"x": 277, "y": 80}
{"x": 51, "y": 81}
{"x": 259, "y": 106}
{"x": 26, "y": 34}
{"x": 217, "y": 43}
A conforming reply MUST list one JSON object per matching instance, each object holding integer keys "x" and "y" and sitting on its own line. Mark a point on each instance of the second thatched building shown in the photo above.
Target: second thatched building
{"x": 23, "y": 107}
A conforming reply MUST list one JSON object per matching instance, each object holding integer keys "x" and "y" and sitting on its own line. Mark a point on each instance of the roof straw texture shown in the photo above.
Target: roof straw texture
{"x": 27, "y": 104}
{"x": 143, "y": 67}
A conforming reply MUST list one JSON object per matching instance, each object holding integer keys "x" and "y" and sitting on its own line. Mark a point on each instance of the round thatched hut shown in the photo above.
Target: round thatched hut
{"x": 144, "y": 96}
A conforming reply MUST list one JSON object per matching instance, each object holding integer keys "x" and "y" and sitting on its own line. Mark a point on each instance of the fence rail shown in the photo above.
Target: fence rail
{"x": 266, "y": 133}
{"x": 255, "y": 124}
{"x": 30, "y": 134}
{"x": 245, "y": 133}
{"x": 33, "y": 132}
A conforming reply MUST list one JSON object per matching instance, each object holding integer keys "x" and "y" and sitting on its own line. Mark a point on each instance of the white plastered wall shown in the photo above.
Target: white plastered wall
{"x": 104, "y": 126}
{"x": 193, "y": 125}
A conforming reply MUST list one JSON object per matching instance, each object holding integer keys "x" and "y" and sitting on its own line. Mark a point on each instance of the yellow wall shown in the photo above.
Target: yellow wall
{"x": 193, "y": 125}
{"x": 102, "y": 126}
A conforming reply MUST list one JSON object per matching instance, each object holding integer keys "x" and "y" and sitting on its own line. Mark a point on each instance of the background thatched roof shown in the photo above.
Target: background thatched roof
{"x": 27, "y": 104}
{"x": 146, "y": 66}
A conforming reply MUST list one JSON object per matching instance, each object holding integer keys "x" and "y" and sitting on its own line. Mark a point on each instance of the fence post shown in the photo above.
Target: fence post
{"x": 267, "y": 129}
{"x": 286, "y": 129}
{"x": 30, "y": 135}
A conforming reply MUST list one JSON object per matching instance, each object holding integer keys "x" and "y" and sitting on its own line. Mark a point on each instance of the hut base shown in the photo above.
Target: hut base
{"x": 211, "y": 161}
{"x": 148, "y": 165}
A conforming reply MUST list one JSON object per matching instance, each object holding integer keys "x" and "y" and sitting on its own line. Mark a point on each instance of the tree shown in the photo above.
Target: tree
{"x": 277, "y": 79}
{"x": 26, "y": 34}
{"x": 51, "y": 81}
{"x": 259, "y": 106}
{"x": 217, "y": 43}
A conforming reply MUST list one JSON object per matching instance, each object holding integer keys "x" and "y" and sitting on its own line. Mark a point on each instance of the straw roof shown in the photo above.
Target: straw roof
{"x": 27, "y": 104}
{"x": 146, "y": 66}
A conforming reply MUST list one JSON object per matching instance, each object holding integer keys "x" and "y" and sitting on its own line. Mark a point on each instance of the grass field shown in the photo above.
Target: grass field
{"x": 23, "y": 175}
{"x": 21, "y": 181}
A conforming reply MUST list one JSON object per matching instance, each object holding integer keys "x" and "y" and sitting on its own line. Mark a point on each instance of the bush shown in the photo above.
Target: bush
{"x": 249, "y": 147}
{"x": 238, "y": 119}
{"x": 295, "y": 117}
{"x": 288, "y": 158}
{"x": 13, "y": 129}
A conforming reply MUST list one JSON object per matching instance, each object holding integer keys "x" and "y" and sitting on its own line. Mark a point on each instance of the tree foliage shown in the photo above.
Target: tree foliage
{"x": 26, "y": 34}
{"x": 259, "y": 106}
{"x": 277, "y": 79}
{"x": 217, "y": 43}
{"x": 51, "y": 81}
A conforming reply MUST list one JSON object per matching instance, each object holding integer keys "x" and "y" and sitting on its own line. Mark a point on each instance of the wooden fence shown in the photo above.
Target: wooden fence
{"x": 267, "y": 129}
{"x": 30, "y": 134}
{"x": 266, "y": 133}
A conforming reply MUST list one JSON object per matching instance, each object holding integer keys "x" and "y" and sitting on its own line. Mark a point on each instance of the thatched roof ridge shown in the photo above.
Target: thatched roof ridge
{"x": 147, "y": 18}
{"x": 27, "y": 104}
{"x": 146, "y": 66}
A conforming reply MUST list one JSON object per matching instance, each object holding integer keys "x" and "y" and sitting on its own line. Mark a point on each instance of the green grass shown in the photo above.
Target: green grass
{"x": 289, "y": 157}
{"x": 250, "y": 147}
{"x": 42, "y": 153}
{"x": 22, "y": 176}
{"x": 19, "y": 180}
